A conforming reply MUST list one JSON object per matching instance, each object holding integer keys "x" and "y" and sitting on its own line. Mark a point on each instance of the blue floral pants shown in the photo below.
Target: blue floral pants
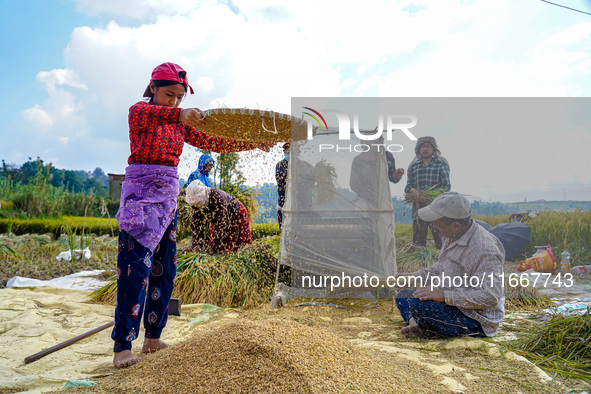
{"x": 145, "y": 281}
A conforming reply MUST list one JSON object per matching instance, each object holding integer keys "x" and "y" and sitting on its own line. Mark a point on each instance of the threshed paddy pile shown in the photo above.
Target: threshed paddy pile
{"x": 273, "y": 355}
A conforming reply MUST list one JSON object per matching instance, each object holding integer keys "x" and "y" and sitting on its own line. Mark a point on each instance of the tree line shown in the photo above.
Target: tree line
{"x": 74, "y": 181}
{"x": 260, "y": 200}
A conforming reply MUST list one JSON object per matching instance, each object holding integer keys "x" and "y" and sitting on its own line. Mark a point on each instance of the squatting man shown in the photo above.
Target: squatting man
{"x": 468, "y": 250}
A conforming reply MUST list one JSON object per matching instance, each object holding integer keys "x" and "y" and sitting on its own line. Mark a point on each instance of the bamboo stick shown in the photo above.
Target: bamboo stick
{"x": 62, "y": 345}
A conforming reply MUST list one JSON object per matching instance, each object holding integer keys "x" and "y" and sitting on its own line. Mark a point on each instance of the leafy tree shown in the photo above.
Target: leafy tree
{"x": 100, "y": 176}
{"x": 228, "y": 172}
{"x": 73, "y": 181}
{"x": 28, "y": 170}
{"x": 266, "y": 196}
{"x": 9, "y": 171}
{"x": 91, "y": 184}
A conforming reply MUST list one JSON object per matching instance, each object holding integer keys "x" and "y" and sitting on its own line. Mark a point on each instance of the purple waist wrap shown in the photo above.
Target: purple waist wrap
{"x": 148, "y": 202}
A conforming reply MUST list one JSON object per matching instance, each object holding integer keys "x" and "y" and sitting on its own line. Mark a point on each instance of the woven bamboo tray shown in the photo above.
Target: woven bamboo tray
{"x": 252, "y": 125}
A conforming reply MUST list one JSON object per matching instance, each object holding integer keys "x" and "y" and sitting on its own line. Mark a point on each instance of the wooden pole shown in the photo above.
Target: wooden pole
{"x": 62, "y": 345}
{"x": 176, "y": 310}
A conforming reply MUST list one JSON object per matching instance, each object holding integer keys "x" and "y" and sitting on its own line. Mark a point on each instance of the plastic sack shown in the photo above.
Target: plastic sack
{"x": 541, "y": 262}
{"x": 85, "y": 254}
{"x": 581, "y": 269}
{"x": 197, "y": 194}
{"x": 83, "y": 280}
{"x": 79, "y": 383}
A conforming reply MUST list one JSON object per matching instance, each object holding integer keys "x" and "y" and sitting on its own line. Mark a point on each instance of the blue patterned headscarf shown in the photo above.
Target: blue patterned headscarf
{"x": 200, "y": 173}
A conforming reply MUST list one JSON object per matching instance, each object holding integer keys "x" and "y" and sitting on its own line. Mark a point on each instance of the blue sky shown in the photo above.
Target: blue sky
{"x": 72, "y": 68}
{"x": 28, "y": 47}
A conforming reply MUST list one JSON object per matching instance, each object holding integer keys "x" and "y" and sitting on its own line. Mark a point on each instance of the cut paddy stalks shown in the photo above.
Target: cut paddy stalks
{"x": 563, "y": 345}
{"x": 241, "y": 279}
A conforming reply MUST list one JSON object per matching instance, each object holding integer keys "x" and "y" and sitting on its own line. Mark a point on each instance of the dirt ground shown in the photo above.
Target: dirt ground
{"x": 299, "y": 348}
{"x": 296, "y": 348}
{"x": 382, "y": 359}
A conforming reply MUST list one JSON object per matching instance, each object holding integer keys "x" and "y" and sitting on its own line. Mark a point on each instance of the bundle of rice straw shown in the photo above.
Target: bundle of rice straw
{"x": 426, "y": 196}
{"x": 253, "y": 125}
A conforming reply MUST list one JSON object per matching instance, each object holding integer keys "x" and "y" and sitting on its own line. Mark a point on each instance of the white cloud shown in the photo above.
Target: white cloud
{"x": 62, "y": 108}
{"x": 530, "y": 148}
{"x": 205, "y": 83}
{"x": 569, "y": 36}
{"x": 38, "y": 117}
{"x": 497, "y": 58}
{"x": 236, "y": 63}
{"x": 59, "y": 77}
{"x": 259, "y": 54}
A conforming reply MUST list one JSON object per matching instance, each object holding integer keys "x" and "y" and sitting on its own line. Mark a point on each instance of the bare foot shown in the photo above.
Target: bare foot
{"x": 418, "y": 332}
{"x": 125, "y": 358}
{"x": 152, "y": 345}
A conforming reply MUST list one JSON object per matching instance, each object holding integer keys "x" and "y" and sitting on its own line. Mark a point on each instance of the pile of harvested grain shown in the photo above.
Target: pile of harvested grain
{"x": 252, "y": 125}
{"x": 268, "y": 356}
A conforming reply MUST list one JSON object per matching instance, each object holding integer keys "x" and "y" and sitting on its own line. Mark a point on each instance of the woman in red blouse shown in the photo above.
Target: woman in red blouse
{"x": 146, "y": 261}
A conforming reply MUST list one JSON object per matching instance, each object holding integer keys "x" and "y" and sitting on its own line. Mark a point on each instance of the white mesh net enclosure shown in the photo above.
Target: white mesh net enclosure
{"x": 338, "y": 218}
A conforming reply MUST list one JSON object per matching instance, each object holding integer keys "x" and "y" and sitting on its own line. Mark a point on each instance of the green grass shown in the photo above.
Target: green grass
{"x": 562, "y": 345}
{"x": 57, "y": 226}
{"x": 229, "y": 279}
{"x": 34, "y": 256}
{"x": 403, "y": 230}
{"x": 98, "y": 226}
{"x": 559, "y": 229}
{"x": 40, "y": 198}
{"x": 6, "y": 205}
